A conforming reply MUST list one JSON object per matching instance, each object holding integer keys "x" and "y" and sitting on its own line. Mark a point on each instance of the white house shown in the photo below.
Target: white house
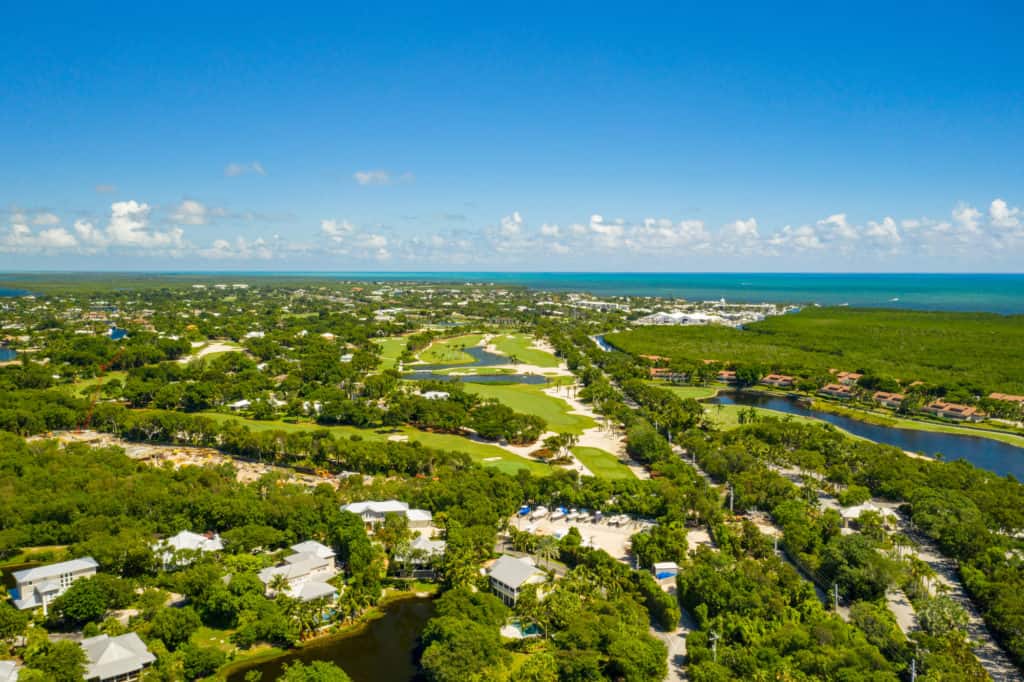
{"x": 116, "y": 659}
{"x": 178, "y": 550}
{"x": 422, "y": 551}
{"x": 374, "y": 512}
{"x": 306, "y": 571}
{"x": 509, "y": 574}
{"x": 242, "y": 404}
{"x": 436, "y": 395}
{"x": 39, "y": 586}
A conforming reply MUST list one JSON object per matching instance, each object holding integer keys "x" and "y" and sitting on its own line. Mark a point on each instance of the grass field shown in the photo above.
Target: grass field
{"x": 449, "y": 351}
{"x": 602, "y": 464}
{"x": 390, "y": 350}
{"x": 530, "y": 399}
{"x": 727, "y": 416}
{"x": 518, "y": 345}
{"x": 695, "y": 392}
{"x": 981, "y": 349}
{"x": 482, "y": 453}
{"x": 84, "y": 386}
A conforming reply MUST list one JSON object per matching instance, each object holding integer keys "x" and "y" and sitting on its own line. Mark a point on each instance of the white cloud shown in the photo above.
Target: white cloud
{"x": 45, "y": 219}
{"x": 511, "y": 225}
{"x": 1002, "y": 215}
{"x": 606, "y": 235}
{"x": 381, "y": 177}
{"x": 233, "y": 170}
{"x": 836, "y": 227}
{"x": 57, "y": 238}
{"x": 550, "y": 230}
{"x": 190, "y": 212}
{"x": 336, "y": 231}
{"x": 804, "y": 238}
{"x": 239, "y": 249}
{"x": 967, "y": 217}
{"x": 884, "y": 233}
{"x": 129, "y": 226}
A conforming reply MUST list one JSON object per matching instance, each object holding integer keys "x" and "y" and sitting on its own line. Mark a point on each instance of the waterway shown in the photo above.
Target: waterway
{"x": 386, "y": 650}
{"x": 985, "y": 453}
{"x": 481, "y": 358}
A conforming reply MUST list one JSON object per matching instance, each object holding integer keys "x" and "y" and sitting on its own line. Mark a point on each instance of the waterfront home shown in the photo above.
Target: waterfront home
{"x": 839, "y": 391}
{"x": 181, "y": 549}
{"x": 726, "y": 376}
{"x": 886, "y": 399}
{"x": 39, "y": 586}
{"x": 509, "y": 574}
{"x": 956, "y": 411}
{"x": 668, "y": 374}
{"x": 306, "y": 572}
{"x": 9, "y": 671}
{"x": 116, "y": 659}
{"x": 848, "y": 378}
{"x": 374, "y": 512}
{"x": 422, "y": 551}
{"x": 778, "y": 381}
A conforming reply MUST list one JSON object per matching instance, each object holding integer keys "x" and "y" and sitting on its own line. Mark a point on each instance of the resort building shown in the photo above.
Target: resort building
{"x": 848, "y": 378}
{"x": 306, "y": 572}
{"x": 35, "y": 587}
{"x": 839, "y": 391}
{"x": 181, "y": 549}
{"x": 726, "y": 376}
{"x": 116, "y": 659}
{"x": 668, "y": 374}
{"x": 778, "y": 381}
{"x": 1006, "y": 397}
{"x": 373, "y": 513}
{"x": 890, "y": 400}
{"x": 956, "y": 411}
{"x": 509, "y": 574}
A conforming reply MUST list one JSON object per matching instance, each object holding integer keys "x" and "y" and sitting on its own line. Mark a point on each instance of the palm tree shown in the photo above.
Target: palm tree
{"x": 278, "y": 584}
{"x": 546, "y": 550}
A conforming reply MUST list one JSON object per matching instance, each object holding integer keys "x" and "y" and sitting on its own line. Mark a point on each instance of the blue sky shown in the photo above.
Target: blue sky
{"x": 547, "y": 136}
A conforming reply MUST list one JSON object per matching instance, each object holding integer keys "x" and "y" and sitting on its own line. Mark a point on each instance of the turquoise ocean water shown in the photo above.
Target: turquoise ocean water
{"x": 1002, "y": 293}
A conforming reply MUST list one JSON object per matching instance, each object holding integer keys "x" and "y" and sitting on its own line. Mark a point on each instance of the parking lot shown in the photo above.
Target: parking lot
{"x": 606, "y": 534}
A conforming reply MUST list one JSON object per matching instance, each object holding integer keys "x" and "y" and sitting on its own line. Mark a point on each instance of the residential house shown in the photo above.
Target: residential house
{"x": 242, "y": 404}
{"x": 1006, "y": 397}
{"x": 116, "y": 659}
{"x": 39, "y": 586}
{"x": 668, "y": 374}
{"x": 848, "y": 378}
{"x": 890, "y": 400}
{"x": 956, "y": 411}
{"x": 778, "y": 380}
{"x": 726, "y": 376}
{"x": 306, "y": 572}
{"x": 179, "y": 550}
{"x": 509, "y": 574}
{"x": 374, "y": 512}
{"x": 840, "y": 391}
{"x": 436, "y": 395}
{"x": 851, "y": 515}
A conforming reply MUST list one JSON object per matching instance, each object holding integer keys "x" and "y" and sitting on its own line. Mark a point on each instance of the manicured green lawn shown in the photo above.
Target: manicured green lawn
{"x": 449, "y": 351}
{"x": 518, "y": 345}
{"x": 390, "y": 350}
{"x": 85, "y": 386}
{"x": 530, "y": 399}
{"x": 602, "y": 464}
{"x": 727, "y": 416}
{"x": 695, "y": 392}
{"x": 482, "y": 453}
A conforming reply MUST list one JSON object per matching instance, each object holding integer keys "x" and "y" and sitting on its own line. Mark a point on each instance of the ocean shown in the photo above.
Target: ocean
{"x": 1003, "y": 293}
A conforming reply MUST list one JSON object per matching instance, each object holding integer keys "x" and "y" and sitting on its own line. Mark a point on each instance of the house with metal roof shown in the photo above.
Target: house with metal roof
{"x": 116, "y": 659}
{"x": 306, "y": 572}
{"x": 374, "y": 512}
{"x": 38, "y": 586}
{"x": 179, "y": 550}
{"x": 509, "y": 574}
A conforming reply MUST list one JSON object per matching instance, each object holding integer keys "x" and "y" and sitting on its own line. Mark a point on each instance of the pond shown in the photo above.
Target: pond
{"x": 984, "y": 453}
{"x": 7, "y": 354}
{"x": 481, "y": 358}
{"x": 384, "y": 651}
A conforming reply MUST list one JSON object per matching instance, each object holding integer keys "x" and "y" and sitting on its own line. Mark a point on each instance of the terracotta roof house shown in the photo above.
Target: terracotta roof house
{"x": 941, "y": 408}
{"x": 836, "y": 391}
{"x": 887, "y": 399}
{"x": 848, "y": 378}
{"x": 778, "y": 380}
{"x": 1007, "y": 397}
{"x": 727, "y": 376}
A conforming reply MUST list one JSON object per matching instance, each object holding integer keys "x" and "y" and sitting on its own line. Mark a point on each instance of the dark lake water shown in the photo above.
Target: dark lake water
{"x": 383, "y": 652}
{"x": 7, "y": 354}
{"x": 985, "y": 453}
{"x": 481, "y": 358}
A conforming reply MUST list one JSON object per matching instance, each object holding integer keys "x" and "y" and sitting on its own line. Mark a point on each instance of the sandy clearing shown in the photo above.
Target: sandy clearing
{"x": 612, "y": 539}
{"x": 213, "y": 347}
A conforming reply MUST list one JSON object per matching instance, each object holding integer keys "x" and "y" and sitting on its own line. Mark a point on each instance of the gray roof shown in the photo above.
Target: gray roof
{"x": 55, "y": 570}
{"x": 313, "y": 589}
{"x": 512, "y": 571}
{"x": 313, "y": 547}
{"x": 113, "y": 656}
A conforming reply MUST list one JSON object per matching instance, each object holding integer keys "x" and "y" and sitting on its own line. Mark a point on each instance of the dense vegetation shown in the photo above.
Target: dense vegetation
{"x": 981, "y": 351}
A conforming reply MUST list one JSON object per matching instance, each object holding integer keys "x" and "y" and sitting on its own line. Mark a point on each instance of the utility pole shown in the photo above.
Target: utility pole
{"x": 713, "y": 636}
{"x": 913, "y": 670}
{"x": 835, "y": 596}
{"x": 730, "y": 499}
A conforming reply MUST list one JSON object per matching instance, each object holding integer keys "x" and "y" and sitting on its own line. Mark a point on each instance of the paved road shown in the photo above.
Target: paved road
{"x": 675, "y": 641}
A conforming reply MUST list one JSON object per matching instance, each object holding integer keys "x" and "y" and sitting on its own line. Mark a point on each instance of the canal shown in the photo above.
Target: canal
{"x": 481, "y": 358}
{"x": 385, "y": 650}
{"x": 985, "y": 453}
